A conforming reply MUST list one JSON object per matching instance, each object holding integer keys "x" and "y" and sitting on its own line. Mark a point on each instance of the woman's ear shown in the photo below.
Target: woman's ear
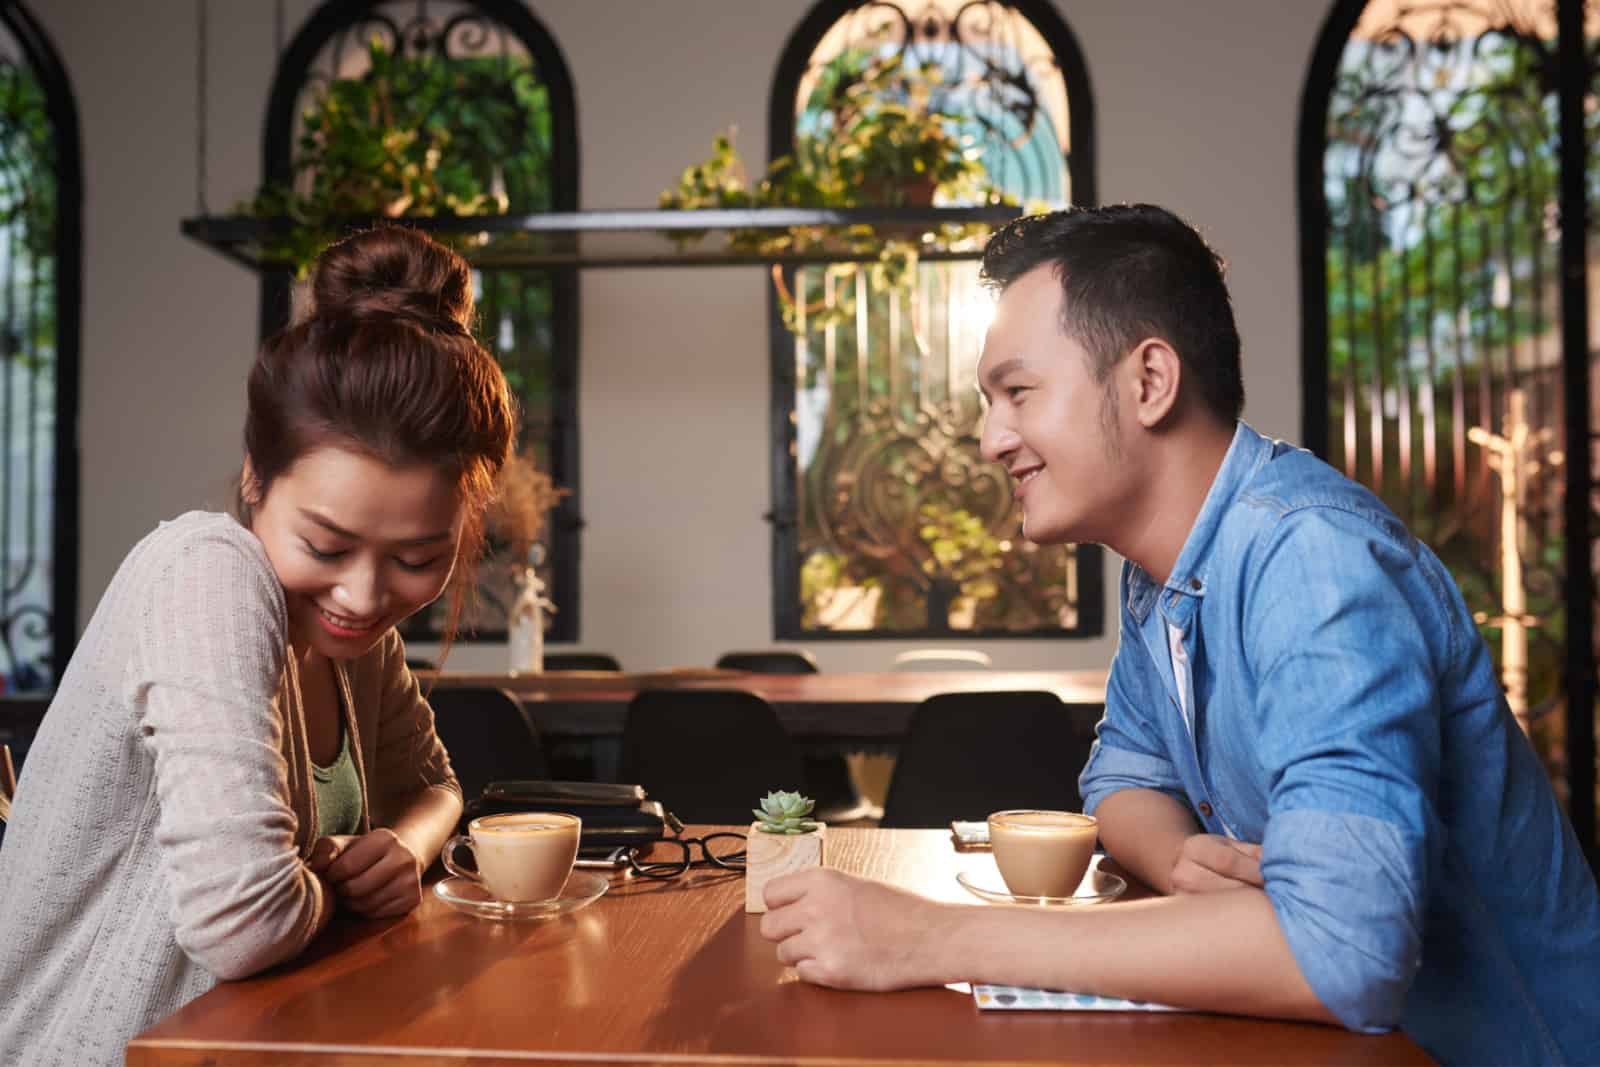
{"x": 249, "y": 485}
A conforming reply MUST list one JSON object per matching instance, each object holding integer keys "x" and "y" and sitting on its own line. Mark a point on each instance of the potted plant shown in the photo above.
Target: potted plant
{"x": 783, "y": 838}
{"x": 879, "y": 141}
{"x": 412, "y": 136}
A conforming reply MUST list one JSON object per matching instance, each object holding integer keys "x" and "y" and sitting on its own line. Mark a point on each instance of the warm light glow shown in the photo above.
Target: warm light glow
{"x": 1007, "y": 27}
{"x": 1429, "y": 20}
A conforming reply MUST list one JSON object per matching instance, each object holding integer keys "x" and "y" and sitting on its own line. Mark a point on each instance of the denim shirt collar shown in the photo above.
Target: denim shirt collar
{"x": 1245, "y": 455}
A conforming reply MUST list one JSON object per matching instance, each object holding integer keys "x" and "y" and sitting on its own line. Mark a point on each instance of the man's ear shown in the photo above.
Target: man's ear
{"x": 1157, "y": 376}
{"x": 249, "y": 485}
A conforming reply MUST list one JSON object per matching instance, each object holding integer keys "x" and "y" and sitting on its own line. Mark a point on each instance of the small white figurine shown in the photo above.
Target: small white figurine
{"x": 525, "y": 623}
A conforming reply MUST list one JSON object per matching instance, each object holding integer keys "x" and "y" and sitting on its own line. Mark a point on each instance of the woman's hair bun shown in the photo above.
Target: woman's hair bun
{"x": 392, "y": 271}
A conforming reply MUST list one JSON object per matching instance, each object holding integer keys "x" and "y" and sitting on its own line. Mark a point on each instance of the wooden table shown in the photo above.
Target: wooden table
{"x": 842, "y": 707}
{"x": 673, "y": 972}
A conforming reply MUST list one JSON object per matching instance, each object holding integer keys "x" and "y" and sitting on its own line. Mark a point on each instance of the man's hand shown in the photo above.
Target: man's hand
{"x": 850, "y": 933}
{"x": 375, "y": 874}
{"x": 1207, "y": 863}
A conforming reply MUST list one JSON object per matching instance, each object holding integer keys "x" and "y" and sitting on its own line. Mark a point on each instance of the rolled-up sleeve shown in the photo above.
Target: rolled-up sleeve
{"x": 1128, "y": 752}
{"x": 1341, "y": 614}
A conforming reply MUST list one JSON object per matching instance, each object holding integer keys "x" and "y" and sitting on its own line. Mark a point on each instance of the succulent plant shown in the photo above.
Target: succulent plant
{"x": 785, "y": 813}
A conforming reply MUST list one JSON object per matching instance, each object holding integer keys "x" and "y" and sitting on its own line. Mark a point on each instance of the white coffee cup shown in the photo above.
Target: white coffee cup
{"x": 1042, "y": 853}
{"x": 521, "y": 856}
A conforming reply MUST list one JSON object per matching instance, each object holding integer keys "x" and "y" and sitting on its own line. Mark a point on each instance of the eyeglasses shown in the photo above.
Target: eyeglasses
{"x": 719, "y": 850}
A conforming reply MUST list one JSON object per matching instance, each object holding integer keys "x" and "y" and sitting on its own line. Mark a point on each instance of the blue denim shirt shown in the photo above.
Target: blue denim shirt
{"x": 1346, "y": 716}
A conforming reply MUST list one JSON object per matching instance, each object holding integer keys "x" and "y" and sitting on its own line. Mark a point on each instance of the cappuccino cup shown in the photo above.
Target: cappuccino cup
{"x": 521, "y": 856}
{"x": 1042, "y": 853}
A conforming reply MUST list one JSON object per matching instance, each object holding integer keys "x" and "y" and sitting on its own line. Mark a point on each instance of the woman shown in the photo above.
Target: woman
{"x": 237, "y": 748}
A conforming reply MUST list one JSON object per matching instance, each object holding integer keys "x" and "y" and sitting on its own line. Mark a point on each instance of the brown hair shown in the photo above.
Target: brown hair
{"x": 385, "y": 363}
{"x": 1127, "y": 272}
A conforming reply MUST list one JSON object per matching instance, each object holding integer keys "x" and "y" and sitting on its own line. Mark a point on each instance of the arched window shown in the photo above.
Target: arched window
{"x": 528, "y": 318}
{"x": 41, "y": 197}
{"x": 1446, "y": 352}
{"x": 887, "y": 521}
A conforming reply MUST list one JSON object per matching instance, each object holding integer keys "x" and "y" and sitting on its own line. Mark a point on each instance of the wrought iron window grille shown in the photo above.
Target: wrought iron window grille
{"x": 1447, "y": 170}
{"x": 887, "y": 524}
{"x": 41, "y": 201}
{"x": 529, "y": 317}
{"x": 1006, "y": 108}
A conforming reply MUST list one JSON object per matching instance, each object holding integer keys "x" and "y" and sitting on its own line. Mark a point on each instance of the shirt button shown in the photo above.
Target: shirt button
{"x": 1194, "y": 583}
{"x": 1205, "y": 808}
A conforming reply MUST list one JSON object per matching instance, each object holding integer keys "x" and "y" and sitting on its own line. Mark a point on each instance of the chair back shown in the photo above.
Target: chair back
{"x": 709, "y": 755}
{"x": 827, "y": 774}
{"x": 943, "y": 659}
{"x": 969, "y": 754}
{"x": 489, "y": 735}
{"x": 581, "y": 661}
{"x": 8, "y": 783}
{"x": 770, "y": 661}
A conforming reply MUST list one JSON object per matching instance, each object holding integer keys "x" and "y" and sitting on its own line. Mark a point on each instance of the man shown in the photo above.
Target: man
{"x": 1304, "y": 749}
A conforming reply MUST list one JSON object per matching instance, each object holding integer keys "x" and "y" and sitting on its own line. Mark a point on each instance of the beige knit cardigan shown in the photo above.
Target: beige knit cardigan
{"x": 166, "y": 808}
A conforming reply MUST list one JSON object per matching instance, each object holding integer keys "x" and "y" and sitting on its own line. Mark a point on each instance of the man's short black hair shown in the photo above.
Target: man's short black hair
{"x": 1129, "y": 272}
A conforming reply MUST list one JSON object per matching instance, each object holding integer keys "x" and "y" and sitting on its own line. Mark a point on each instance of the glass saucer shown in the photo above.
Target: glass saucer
{"x": 582, "y": 889}
{"x": 1097, "y": 887}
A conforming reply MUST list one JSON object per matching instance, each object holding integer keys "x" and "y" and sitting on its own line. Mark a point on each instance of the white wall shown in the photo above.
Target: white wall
{"x": 1195, "y": 106}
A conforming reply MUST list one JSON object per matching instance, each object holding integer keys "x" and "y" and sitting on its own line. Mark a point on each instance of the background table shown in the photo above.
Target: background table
{"x": 673, "y": 971}
{"x": 843, "y": 707}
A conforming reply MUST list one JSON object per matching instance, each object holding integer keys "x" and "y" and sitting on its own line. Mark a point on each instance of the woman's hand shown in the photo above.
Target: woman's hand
{"x": 1208, "y": 863}
{"x": 374, "y": 874}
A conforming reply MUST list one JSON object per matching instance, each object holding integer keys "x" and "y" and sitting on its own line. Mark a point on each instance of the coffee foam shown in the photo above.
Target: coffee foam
{"x": 1046, "y": 822}
{"x": 521, "y": 823}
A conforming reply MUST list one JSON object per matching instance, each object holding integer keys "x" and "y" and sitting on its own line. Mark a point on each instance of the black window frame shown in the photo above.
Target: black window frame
{"x": 333, "y": 17}
{"x": 61, "y": 107}
{"x": 792, "y": 64}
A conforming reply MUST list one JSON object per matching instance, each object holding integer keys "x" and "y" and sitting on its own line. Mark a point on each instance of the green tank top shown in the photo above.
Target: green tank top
{"x": 338, "y": 793}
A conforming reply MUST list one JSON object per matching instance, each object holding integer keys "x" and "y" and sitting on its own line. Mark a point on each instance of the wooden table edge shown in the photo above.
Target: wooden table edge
{"x": 149, "y": 1052}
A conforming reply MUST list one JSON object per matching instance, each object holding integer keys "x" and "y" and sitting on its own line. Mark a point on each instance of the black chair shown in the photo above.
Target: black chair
{"x": 580, "y": 661}
{"x": 489, "y": 736}
{"x": 709, "y": 755}
{"x": 968, "y": 754}
{"x": 828, "y": 780}
{"x": 770, "y": 661}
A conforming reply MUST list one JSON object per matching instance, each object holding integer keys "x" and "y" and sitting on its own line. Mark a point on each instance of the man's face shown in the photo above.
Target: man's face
{"x": 1050, "y": 423}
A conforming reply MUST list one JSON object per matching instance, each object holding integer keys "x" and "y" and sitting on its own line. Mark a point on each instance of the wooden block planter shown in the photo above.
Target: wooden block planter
{"x": 769, "y": 855}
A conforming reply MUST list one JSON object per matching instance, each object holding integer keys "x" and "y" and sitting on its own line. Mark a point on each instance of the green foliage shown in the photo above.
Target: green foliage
{"x": 821, "y": 575}
{"x": 1405, "y": 256}
{"x": 878, "y": 140}
{"x": 881, "y": 142}
{"x": 785, "y": 813}
{"x": 1436, "y": 279}
{"x": 413, "y": 136}
{"x": 961, "y": 549}
{"x": 28, "y": 213}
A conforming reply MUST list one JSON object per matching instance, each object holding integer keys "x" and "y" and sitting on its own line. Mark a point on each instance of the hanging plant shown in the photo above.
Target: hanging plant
{"x": 412, "y": 136}
{"x": 879, "y": 141}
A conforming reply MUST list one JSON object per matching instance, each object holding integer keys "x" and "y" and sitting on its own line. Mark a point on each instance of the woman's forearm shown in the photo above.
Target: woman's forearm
{"x": 427, "y": 821}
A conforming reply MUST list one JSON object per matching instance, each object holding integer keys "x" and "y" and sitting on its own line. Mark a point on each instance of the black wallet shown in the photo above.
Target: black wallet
{"x": 612, "y": 814}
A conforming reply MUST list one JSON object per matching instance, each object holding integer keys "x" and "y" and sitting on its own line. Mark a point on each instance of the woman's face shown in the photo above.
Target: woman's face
{"x": 357, "y": 545}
